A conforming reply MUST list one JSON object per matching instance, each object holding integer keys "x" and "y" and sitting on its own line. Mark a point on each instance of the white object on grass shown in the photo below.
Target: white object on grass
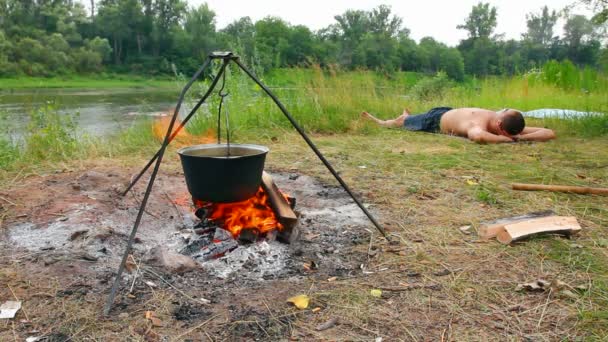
{"x": 9, "y": 309}
{"x": 558, "y": 113}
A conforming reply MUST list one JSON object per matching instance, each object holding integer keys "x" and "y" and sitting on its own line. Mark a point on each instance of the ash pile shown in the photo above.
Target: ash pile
{"x": 85, "y": 225}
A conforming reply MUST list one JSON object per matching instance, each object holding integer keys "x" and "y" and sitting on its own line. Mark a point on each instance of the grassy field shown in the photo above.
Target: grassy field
{"x": 423, "y": 188}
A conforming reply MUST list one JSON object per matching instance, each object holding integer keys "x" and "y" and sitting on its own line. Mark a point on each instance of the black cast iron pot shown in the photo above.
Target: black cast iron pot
{"x": 214, "y": 176}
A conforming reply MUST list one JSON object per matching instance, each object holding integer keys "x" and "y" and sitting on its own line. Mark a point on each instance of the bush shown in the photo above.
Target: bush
{"x": 50, "y": 135}
{"x": 429, "y": 89}
{"x": 87, "y": 60}
{"x": 8, "y": 69}
{"x": 100, "y": 46}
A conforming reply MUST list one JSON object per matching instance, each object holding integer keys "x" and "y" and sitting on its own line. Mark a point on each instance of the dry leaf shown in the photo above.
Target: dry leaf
{"x": 327, "y": 325}
{"x": 376, "y": 293}
{"x": 156, "y": 322}
{"x": 301, "y": 302}
{"x": 130, "y": 264}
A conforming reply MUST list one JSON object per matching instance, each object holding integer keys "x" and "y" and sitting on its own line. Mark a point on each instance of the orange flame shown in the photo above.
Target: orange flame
{"x": 253, "y": 213}
{"x": 183, "y": 138}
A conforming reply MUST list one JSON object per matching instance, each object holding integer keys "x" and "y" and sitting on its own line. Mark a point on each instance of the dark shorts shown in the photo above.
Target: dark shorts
{"x": 427, "y": 122}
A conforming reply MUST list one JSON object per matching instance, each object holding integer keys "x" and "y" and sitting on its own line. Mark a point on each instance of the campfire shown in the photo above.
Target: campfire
{"x": 266, "y": 216}
{"x": 253, "y": 214}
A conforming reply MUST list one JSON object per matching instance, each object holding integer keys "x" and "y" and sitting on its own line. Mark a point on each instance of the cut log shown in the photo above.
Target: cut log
{"x": 560, "y": 188}
{"x": 248, "y": 235}
{"x": 279, "y": 204}
{"x": 289, "y": 234}
{"x": 490, "y": 229}
{"x": 563, "y": 225}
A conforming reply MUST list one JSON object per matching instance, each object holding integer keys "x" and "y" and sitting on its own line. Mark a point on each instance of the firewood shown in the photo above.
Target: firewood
{"x": 279, "y": 204}
{"x": 564, "y": 225}
{"x": 561, "y": 188}
{"x": 248, "y": 235}
{"x": 490, "y": 229}
{"x": 289, "y": 233}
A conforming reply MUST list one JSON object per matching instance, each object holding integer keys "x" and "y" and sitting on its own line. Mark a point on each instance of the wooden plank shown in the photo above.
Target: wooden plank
{"x": 278, "y": 203}
{"x": 490, "y": 229}
{"x": 565, "y": 225}
{"x": 561, "y": 188}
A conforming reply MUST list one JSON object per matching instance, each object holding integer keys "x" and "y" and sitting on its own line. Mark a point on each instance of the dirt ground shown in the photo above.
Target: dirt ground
{"x": 436, "y": 281}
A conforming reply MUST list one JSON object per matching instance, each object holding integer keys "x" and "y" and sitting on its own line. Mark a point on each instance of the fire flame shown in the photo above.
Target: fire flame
{"x": 254, "y": 212}
{"x": 183, "y": 138}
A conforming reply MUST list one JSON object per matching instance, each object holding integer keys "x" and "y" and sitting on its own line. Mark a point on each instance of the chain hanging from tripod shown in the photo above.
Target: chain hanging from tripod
{"x": 222, "y": 96}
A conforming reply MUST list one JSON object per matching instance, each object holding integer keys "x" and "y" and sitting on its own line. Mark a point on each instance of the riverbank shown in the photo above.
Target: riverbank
{"x": 87, "y": 82}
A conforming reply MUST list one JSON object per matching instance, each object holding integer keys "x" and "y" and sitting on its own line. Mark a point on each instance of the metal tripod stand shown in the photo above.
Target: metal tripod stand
{"x": 226, "y": 57}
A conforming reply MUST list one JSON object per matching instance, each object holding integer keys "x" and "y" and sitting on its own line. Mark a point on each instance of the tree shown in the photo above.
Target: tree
{"x": 101, "y": 46}
{"x": 577, "y": 30}
{"x": 301, "y": 43}
{"x": 600, "y": 7}
{"x": 481, "y": 22}
{"x": 540, "y": 27}
{"x": 381, "y": 22}
{"x": 240, "y": 37}
{"x": 351, "y": 27}
{"x": 168, "y": 13}
{"x": 120, "y": 20}
{"x": 200, "y": 26}
{"x": 582, "y": 45}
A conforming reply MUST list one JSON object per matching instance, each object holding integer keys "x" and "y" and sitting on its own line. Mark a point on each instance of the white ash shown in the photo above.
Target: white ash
{"x": 254, "y": 261}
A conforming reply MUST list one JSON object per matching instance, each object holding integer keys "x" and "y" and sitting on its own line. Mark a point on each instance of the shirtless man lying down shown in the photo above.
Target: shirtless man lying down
{"x": 479, "y": 125}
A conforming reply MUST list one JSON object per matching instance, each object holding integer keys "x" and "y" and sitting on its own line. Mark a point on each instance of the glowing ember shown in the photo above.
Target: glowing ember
{"x": 254, "y": 213}
{"x": 183, "y": 138}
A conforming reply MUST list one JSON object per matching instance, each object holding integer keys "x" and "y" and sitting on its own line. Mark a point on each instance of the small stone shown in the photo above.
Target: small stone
{"x": 171, "y": 261}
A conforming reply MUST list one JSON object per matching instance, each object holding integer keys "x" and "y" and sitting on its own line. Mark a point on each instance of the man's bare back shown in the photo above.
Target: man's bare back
{"x": 477, "y": 124}
{"x": 460, "y": 120}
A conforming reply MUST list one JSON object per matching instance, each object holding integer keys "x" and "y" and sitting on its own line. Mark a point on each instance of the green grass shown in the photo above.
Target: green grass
{"x": 331, "y": 102}
{"x": 321, "y": 101}
{"x": 96, "y": 82}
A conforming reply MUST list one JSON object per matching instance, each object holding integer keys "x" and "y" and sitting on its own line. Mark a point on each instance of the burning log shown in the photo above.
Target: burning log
{"x": 248, "y": 235}
{"x": 289, "y": 234}
{"x": 283, "y": 210}
{"x": 222, "y": 243}
{"x": 278, "y": 202}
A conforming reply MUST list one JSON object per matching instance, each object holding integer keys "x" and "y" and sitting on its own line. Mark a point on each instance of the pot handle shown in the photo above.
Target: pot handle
{"x": 223, "y": 95}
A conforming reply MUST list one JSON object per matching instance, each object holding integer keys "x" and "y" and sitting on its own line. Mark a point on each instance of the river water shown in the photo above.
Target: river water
{"x": 101, "y": 111}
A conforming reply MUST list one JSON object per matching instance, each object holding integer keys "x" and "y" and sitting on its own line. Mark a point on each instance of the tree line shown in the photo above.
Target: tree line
{"x": 50, "y": 37}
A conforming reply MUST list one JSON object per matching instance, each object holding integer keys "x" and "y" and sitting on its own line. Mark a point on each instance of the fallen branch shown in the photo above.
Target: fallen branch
{"x": 404, "y": 288}
{"x": 561, "y": 188}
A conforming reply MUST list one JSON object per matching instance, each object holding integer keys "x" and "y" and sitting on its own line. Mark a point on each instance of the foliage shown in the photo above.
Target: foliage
{"x": 48, "y": 136}
{"x": 430, "y": 89}
{"x": 49, "y": 38}
{"x": 481, "y": 22}
{"x": 540, "y": 27}
{"x": 600, "y": 8}
{"x": 567, "y": 76}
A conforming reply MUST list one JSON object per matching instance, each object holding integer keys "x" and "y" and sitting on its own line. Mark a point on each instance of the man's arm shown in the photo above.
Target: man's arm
{"x": 536, "y": 134}
{"x": 478, "y": 135}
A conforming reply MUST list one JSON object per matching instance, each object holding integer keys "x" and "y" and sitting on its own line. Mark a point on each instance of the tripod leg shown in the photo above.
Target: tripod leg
{"x": 183, "y": 123}
{"x": 313, "y": 147}
{"x": 144, "y": 201}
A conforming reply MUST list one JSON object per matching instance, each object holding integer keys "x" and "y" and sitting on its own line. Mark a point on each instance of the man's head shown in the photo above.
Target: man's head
{"x": 511, "y": 121}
